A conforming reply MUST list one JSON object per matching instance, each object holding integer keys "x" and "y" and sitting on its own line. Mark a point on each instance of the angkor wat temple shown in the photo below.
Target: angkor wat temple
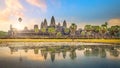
{"x": 39, "y": 31}
{"x": 59, "y": 30}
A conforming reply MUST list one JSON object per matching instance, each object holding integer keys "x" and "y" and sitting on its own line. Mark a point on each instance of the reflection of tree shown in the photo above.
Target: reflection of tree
{"x": 36, "y": 50}
{"x": 102, "y": 53}
{"x": 87, "y": 52}
{"x": 95, "y": 51}
{"x": 12, "y": 49}
{"x": 73, "y": 54}
{"x": 114, "y": 53}
{"x": 81, "y": 47}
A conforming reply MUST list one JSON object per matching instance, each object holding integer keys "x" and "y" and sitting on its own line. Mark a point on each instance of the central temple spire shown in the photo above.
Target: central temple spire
{"x": 52, "y": 24}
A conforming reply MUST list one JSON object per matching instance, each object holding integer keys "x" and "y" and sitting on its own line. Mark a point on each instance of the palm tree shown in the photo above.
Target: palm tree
{"x": 88, "y": 29}
{"x": 114, "y": 31}
{"x": 66, "y": 30}
{"x": 73, "y": 29}
{"x": 59, "y": 34}
{"x": 51, "y": 30}
{"x": 106, "y": 24}
{"x": 104, "y": 29}
{"x": 96, "y": 30}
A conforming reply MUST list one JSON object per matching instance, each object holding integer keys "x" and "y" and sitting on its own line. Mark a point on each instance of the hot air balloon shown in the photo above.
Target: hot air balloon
{"x": 20, "y": 19}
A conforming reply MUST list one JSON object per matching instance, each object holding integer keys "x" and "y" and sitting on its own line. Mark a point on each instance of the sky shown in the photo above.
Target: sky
{"x": 81, "y": 12}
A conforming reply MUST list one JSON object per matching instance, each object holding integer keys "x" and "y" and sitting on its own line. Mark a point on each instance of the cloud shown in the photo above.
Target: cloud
{"x": 12, "y": 8}
{"x": 113, "y": 22}
{"x": 15, "y": 7}
{"x": 39, "y": 3}
{"x": 4, "y": 15}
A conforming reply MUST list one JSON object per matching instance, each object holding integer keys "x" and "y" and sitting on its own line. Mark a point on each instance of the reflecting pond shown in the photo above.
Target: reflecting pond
{"x": 59, "y": 55}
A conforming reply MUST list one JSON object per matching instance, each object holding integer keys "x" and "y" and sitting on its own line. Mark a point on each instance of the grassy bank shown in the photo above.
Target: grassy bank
{"x": 63, "y": 40}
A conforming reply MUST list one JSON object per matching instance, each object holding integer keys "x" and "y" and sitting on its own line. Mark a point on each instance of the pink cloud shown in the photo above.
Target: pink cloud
{"x": 12, "y": 8}
{"x": 15, "y": 7}
{"x": 4, "y": 15}
{"x": 39, "y": 3}
{"x": 113, "y": 22}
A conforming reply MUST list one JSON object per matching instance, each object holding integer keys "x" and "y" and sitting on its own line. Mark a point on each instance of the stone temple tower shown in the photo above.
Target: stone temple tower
{"x": 52, "y": 24}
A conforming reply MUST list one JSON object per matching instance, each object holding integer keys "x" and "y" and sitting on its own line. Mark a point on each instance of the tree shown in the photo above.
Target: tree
{"x": 36, "y": 28}
{"x": 88, "y": 28}
{"x": 59, "y": 34}
{"x": 114, "y": 31}
{"x": 51, "y": 30}
{"x": 66, "y": 30}
{"x": 73, "y": 29}
{"x": 43, "y": 30}
{"x": 105, "y": 25}
{"x": 104, "y": 29}
{"x": 96, "y": 30}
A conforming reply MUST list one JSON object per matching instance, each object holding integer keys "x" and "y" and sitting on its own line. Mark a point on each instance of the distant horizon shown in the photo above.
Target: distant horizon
{"x": 19, "y": 26}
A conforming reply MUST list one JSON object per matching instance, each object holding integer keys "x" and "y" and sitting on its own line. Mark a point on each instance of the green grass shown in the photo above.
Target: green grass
{"x": 63, "y": 40}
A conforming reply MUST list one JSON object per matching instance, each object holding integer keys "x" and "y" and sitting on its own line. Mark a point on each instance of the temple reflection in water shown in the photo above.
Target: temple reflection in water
{"x": 63, "y": 51}
{"x": 59, "y": 55}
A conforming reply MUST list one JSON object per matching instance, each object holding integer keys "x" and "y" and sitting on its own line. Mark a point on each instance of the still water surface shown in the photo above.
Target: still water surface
{"x": 59, "y": 55}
